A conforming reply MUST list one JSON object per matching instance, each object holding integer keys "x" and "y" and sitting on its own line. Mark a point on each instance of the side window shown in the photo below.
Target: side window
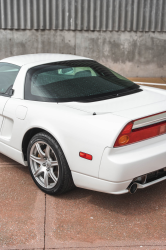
{"x": 8, "y": 73}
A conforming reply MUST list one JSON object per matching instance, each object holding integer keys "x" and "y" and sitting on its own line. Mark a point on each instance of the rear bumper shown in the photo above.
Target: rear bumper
{"x": 92, "y": 183}
{"x": 126, "y": 163}
{"x": 120, "y": 166}
{"x": 88, "y": 182}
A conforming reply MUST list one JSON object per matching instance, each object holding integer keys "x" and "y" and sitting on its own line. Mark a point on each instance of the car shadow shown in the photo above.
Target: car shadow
{"x": 142, "y": 202}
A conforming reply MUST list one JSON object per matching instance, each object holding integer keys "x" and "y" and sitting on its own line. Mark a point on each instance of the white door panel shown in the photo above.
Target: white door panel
{"x": 7, "y": 126}
{"x": 1, "y": 120}
{"x": 3, "y": 101}
{"x": 14, "y": 123}
{"x": 12, "y": 129}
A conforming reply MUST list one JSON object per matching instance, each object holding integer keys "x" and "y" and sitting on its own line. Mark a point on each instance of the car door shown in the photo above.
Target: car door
{"x": 8, "y": 74}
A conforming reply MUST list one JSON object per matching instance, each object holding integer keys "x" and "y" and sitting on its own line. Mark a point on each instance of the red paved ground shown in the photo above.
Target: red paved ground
{"x": 80, "y": 219}
{"x": 84, "y": 219}
{"x": 22, "y": 208}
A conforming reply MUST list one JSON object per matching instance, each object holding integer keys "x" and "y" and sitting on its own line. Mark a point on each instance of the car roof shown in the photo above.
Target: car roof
{"x": 42, "y": 57}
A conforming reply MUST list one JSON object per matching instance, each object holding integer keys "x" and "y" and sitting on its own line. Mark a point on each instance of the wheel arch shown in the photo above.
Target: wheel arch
{"x": 28, "y": 136}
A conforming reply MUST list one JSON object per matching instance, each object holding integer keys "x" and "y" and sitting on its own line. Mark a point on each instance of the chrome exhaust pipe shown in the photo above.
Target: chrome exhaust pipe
{"x": 141, "y": 179}
{"x": 133, "y": 188}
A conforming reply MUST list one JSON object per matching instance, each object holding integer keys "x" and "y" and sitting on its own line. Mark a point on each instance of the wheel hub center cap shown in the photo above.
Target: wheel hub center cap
{"x": 48, "y": 164}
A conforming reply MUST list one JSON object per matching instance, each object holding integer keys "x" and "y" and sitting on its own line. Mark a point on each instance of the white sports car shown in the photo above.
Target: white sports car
{"x": 75, "y": 122}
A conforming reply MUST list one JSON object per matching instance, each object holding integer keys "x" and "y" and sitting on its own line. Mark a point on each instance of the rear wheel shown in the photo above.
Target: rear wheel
{"x": 48, "y": 166}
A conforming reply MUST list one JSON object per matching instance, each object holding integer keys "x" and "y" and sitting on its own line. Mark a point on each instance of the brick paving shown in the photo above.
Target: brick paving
{"x": 80, "y": 219}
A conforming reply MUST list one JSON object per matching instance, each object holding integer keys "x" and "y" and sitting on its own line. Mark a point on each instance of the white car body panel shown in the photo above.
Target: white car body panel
{"x": 40, "y": 58}
{"x": 3, "y": 101}
{"x": 118, "y": 104}
{"x": 76, "y": 129}
{"x": 96, "y": 184}
{"x": 72, "y": 143}
{"x": 133, "y": 160}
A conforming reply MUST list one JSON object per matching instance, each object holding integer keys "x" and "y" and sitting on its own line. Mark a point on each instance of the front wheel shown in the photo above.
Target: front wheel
{"x": 48, "y": 166}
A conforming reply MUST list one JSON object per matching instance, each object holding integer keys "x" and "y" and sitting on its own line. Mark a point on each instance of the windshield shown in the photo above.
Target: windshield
{"x": 76, "y": 80}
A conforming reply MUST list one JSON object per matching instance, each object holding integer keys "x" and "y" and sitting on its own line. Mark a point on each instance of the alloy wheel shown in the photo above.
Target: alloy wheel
{"x": 44, "y": 164}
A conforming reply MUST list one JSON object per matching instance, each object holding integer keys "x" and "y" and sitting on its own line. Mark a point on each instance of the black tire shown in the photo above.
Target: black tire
{"x": 65, "y": 180}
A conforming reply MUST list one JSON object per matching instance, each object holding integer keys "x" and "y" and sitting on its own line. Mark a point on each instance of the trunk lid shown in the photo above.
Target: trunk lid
{"x": 132, "y": 106}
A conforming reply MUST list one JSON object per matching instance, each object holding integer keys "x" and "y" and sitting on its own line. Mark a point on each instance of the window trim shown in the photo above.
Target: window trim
{"x": 98, "y": 97}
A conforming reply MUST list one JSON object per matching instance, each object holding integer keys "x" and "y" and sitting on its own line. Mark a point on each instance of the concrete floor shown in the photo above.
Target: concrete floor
{"x": 80, "y": 219}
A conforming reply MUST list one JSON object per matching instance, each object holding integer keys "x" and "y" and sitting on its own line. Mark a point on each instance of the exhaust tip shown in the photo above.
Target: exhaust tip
{"x": 141, "y": 179}
{"x": 133, "y": 188}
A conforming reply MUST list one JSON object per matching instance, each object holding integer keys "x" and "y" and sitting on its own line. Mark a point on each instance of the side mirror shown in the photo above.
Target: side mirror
{"x": 11, "y": 92}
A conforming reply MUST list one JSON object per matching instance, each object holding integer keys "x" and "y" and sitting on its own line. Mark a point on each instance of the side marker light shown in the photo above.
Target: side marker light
{"x": 86, "y": 156}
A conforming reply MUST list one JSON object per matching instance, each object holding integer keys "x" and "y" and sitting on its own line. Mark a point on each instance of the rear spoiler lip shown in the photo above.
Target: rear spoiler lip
{"x": 149, "y": 120}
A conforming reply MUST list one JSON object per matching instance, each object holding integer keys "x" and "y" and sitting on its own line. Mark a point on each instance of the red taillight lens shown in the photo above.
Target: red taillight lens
{"x": 128, "y": 136}
{"x": 86, "y": 156}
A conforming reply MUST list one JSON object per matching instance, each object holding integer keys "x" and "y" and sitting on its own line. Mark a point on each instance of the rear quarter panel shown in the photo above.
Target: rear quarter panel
{"x": 74, "y": 130}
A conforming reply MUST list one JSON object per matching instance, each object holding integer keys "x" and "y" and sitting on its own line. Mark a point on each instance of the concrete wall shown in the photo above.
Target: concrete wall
{"x": 130, "y": 53}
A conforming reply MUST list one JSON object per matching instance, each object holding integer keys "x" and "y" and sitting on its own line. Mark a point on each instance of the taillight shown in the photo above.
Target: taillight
{"x": 129, "y": 135}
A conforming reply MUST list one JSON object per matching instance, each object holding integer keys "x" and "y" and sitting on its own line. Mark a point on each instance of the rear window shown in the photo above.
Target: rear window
{"x": 8, "y": 73}
{"x": 75, "y": 80}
